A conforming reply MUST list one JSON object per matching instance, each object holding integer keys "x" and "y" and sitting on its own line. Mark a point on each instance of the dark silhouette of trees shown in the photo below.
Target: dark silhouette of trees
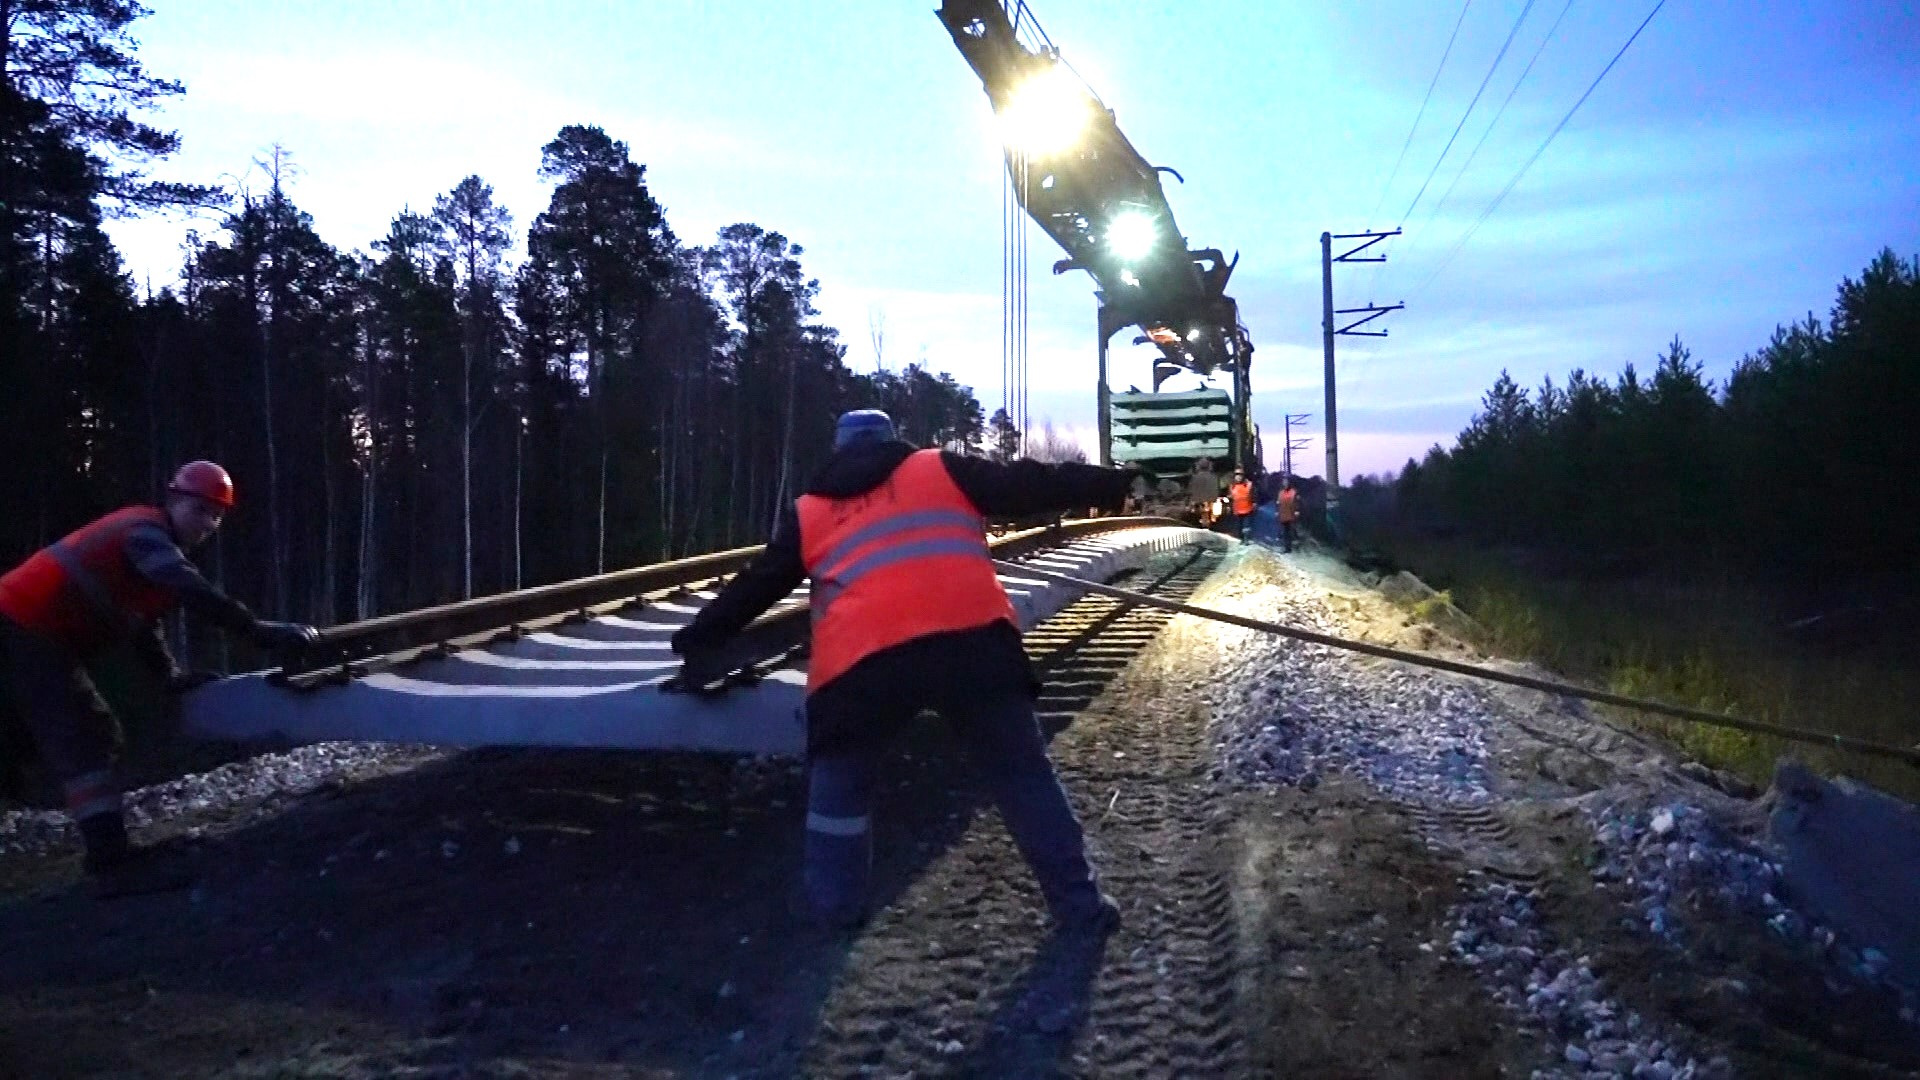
{"x": 927, "y": 409}
{"x": 429, "y": 419}
{"x": 1805, "y": 461}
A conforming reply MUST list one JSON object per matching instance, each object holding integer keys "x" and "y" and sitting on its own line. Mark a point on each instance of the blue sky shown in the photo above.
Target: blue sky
{"x": 1738, "y": 162}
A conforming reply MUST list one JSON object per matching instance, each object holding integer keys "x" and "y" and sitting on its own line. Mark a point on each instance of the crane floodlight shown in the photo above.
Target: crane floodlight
{"x": 1132, "y": 235}
{"x": 1046, "y": 114}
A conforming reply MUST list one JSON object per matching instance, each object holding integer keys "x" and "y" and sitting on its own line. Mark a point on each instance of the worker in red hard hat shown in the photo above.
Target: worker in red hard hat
{"x": 106, "y": 584}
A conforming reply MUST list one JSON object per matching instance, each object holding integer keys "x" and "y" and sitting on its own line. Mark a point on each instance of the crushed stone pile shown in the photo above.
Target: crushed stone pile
{"x": 290, "y": 774}
{"x": 1288, "y": 713}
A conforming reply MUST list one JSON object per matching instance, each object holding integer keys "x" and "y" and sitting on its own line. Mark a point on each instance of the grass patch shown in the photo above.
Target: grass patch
{"x": 1434, "y": 606}
{"x": 1709, "y": 645}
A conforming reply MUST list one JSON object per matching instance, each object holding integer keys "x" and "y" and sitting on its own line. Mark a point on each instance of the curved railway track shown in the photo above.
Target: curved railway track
{"x": 578, "y": 664}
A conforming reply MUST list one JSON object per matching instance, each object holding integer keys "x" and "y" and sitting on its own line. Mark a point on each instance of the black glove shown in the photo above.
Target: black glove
{"x": 283, "y": 635}
{"x": 182, "y": 681}
{"x": 700, "y": 673}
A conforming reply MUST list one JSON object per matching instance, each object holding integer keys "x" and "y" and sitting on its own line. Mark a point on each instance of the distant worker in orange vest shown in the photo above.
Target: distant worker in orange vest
{"x": 1288, "y": 505}
{"x": 107, "y": 584}
{"x": 1241, "y": 492}
{"x": 908, "y": 614}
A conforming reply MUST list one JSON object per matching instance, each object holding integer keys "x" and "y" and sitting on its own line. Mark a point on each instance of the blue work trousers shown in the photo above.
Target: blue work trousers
{"x": 1002, "y": 736}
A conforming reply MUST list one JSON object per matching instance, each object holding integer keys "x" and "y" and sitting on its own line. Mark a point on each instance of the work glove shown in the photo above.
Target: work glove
{"x": 283, "y": 635}
{"x": 700, "y": 673}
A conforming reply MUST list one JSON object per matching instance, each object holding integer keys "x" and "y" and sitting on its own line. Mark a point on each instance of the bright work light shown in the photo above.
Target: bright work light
{"x": 1132, "y": 235}
{"x": 1047, "y": 113}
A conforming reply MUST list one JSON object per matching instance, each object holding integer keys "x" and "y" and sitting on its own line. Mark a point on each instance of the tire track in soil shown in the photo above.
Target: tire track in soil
{"x": 959, "y": 978}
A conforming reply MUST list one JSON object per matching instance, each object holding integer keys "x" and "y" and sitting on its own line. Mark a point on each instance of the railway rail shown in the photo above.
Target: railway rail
{"x": 579, "y": 663}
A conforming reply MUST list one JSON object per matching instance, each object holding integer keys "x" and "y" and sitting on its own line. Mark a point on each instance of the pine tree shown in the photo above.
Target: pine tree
{"x": 1003, "y": 437}
{"x": 475, "y": 238}
{"x": 606, "y": 243}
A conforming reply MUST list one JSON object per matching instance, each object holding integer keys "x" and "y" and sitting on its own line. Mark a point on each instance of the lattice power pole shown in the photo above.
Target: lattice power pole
{"x": 1292, "y": 444}
{"x": 1330, "y": 330}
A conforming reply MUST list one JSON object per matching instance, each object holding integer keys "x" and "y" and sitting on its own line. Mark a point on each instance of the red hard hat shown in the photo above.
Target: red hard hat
{"x": 206, "y": 480}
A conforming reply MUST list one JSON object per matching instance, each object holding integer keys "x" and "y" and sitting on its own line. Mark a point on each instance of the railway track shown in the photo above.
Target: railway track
{"x": 478, "y": 906}
{"x": 955, "y": 977}
{"x": 578, "y": 664}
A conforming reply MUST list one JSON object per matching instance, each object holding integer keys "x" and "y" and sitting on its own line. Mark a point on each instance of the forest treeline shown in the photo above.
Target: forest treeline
{"x": 1806, "y": 460}
{"x": 447, "y": 413}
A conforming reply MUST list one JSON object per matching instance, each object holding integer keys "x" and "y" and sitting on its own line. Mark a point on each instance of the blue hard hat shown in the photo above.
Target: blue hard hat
{"x": 862, "y": 425}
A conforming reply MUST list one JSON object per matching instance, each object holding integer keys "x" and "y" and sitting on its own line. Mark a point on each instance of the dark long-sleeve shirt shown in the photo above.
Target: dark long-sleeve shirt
{"x": 155, "y": 556}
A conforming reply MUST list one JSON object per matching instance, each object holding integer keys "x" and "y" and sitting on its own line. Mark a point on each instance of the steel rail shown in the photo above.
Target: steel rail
{"x": 352, "y": 649}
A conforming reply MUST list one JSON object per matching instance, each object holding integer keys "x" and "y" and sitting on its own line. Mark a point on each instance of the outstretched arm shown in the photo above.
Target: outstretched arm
{"x": 157, "y": 558}
{"x": 1031, "y": 487}
{"x": 773, "y": 574}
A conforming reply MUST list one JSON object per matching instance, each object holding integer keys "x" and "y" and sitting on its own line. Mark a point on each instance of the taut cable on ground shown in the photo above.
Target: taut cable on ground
{"x": 1910, "y": 755}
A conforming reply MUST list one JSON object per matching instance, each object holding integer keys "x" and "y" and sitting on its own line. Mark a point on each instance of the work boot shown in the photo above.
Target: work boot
{"x": 805, "y": 922}
{"x": 1093, "y": 920}
{"x": 140, "y": 872}
{"x": 115, "y": 867}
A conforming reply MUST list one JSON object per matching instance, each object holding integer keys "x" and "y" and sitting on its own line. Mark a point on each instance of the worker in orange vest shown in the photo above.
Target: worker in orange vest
{"x": 1288, "y": 507}
{"x": 106, "y": 584}
{"x": 1241, "y": 494}
{"x": 908, "y": 614}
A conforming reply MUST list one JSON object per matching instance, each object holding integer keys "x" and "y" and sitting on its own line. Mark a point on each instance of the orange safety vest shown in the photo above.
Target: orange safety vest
{"x": 1289, "y": 504}
{"x": 902, "y": 561}
{"x": 81, "y": 592}
{"x": 1243, "y": 497}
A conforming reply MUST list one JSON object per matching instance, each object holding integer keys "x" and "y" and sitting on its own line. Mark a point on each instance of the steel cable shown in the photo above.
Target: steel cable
{"x": 1557, "y": 128}
{"x": 1457, "y": 128}
{"x": 1397, "y": 162}
{"x": 1910, "y": 755}
{"x": 1433, "y": 215}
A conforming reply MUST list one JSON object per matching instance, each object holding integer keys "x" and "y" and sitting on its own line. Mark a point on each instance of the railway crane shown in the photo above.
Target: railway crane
{"x": 1080, "y": 179}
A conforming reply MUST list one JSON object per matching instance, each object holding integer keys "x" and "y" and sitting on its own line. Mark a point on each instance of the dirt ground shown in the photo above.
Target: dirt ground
{"x": 545, "y": 914}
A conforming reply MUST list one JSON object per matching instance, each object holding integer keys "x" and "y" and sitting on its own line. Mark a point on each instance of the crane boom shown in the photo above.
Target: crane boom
{"x": 1082, "y": 181}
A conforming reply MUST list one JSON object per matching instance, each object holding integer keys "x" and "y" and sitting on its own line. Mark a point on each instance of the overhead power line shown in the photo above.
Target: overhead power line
{"x": 1491, "y": 68}
{"x": 1502, "y": 111}
{"x": 1557, "y": 128}
{"x": 1397, "y": 162}
{"x": 1413, "y": 239}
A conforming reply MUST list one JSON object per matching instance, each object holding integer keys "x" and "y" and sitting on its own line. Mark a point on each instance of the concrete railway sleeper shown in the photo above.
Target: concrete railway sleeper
{"x": 579, "y": 665}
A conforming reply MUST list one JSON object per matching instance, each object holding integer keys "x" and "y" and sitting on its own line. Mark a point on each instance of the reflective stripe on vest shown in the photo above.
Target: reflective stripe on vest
{"x": 905, "y": 560}
{"x": 81, "y": 592}
{"x": 833, "y": 583}
{"x": 833, "y": 563}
